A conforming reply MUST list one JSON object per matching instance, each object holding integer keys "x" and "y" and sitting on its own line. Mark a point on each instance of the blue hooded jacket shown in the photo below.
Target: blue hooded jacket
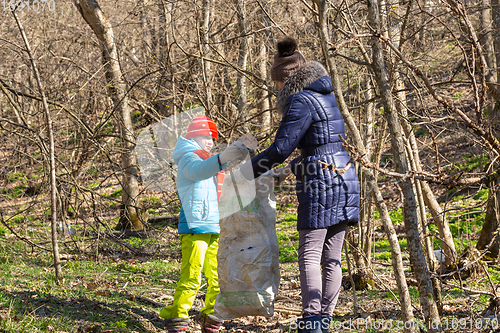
{"x": 197, "y": 189}
{"x": 312, "y": 122}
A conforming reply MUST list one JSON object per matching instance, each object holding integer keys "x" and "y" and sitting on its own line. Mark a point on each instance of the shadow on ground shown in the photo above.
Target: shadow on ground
{"x": 88, "y": 315}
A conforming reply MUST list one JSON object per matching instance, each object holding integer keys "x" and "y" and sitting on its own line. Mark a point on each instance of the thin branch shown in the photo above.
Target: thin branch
{"x": 468, "y": 289}
{"x": 62, "y": 107}
{"x": 421, "y": 175}
{"x": 50, "y": 134}
{"x": 271, "y": 19}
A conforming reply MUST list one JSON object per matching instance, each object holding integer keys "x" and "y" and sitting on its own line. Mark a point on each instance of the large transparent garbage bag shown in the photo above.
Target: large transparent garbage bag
{"x": 248, "y": 264}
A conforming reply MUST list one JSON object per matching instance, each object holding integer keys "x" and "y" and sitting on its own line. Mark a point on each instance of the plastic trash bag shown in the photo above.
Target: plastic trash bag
{"x": 248, "y": 264}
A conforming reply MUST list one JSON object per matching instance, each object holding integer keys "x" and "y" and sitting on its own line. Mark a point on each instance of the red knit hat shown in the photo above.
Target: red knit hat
{"x": 200, "y": 126}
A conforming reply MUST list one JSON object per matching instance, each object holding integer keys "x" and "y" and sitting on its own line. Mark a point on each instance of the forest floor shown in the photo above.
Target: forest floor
{"x": 119, "y": 284}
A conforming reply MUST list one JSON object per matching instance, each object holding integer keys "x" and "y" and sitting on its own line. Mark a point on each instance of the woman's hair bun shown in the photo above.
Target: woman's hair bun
{"x": 286, "y": 47}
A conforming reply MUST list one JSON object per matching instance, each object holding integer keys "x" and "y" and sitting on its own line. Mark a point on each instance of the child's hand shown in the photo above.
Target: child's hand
{"x": 230, "y": 153}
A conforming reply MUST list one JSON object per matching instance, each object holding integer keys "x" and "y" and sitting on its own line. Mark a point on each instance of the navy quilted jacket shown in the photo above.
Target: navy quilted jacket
{"x": 312, "y": 122}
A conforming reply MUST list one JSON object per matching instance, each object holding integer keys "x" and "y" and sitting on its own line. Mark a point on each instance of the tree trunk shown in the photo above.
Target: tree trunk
{"x": 131, "y": 216}
{"x": 368, "y": 138}
{"x": 491, "y": 224}
{"x": 263, "y": 59}
{"x": 417, "y": 257}
{"x": 162, "y": 31}
{"x": 263, "y": 95}
{"x": 492, "y": 218}
{"x": 397, "y": 261}
{"x": 414, "y": 159}
{"x": 429, "y": 198}
{"x": 423, "y": 189}
{"x": 427, "y": 194}
{"x": 242, "y": 59}
{"x": 488, "y": 45}
{"x": 205, "y": 52}
{"x": 52, "y": 160}
{"x": 424, "y": 231}
{"x": 495, "y": 16}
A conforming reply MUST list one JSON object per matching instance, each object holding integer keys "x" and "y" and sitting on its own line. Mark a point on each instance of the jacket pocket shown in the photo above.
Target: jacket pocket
{"x": 199, "y": 210}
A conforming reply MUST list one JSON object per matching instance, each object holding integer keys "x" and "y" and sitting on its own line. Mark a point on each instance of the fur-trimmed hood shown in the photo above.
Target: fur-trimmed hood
{"x": 298, "y": 81}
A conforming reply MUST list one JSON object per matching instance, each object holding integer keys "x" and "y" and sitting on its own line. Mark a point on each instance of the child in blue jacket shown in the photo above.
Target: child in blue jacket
{"x": 199, "y": 180}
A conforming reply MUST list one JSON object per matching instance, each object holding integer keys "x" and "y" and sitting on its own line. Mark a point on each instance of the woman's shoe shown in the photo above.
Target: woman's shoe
{"x": 325, "y": 323}
{"x": 310, "y": 324}
{"x": 176, "y": 325}
{"x": 210, "y": 323}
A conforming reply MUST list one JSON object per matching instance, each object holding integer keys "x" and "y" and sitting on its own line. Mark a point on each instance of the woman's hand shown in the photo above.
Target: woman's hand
{"x": 282, "y": 173}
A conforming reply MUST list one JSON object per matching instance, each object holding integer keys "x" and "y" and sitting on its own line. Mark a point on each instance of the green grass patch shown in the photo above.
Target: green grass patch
{"x": 482, "y": 195}
{"x": 15, "y": 192}
{"x": 17, "y": 219}
{"x": 414, "y": 293}
{"x": 386, "y": 256}
{"x": 13, "y": 177}
{"x": 288, "y": 237}
{"x": 118, "y": 193}
{"x": 383, "y": 248}
{"x": 94, "y": 184}
{"x": 395, "y": 215}
{"x": 466, "y": 221}
{"x": 152, "y": 203}
{"x": 469, "y": 162}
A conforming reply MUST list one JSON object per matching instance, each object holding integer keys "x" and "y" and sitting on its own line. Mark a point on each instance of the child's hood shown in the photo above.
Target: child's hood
{"x": 184, "y": 146}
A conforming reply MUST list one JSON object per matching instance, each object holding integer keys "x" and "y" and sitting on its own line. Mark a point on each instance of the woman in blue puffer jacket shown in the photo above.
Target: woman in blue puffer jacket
{"x": 327, "y": 185}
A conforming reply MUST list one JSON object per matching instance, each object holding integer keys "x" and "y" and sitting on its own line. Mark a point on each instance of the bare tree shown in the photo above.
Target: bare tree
{"x": 411, "y": 221}
{"x": 263, "y": 94}
{"x": 242, "y": 58}
{"x": 131, "y": 215}
{"x": 397, "y": 261}
{"x": 205, "y": 50}
{"x": 51, "y": 154}
{"x": 488, "y": 238}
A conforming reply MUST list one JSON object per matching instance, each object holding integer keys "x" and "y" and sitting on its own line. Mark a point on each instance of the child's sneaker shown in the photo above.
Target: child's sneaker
{"x": 210, "y": 323}
{"x": 177, "y": 325}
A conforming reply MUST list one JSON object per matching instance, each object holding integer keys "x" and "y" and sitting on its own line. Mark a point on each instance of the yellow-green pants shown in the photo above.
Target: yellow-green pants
{"x": 199, "y": 254}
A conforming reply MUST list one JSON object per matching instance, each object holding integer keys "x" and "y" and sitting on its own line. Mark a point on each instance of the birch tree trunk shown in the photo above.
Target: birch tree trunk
{"x": 368, "y": 138}
{"x": 130, "y": 215}
{"x": 417, "y": 257}
{"x": 51, "y": 151}
{"x": 263, "y": 95}
{"x": 487, "y": 40}
{"x": 397, "y": 262}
